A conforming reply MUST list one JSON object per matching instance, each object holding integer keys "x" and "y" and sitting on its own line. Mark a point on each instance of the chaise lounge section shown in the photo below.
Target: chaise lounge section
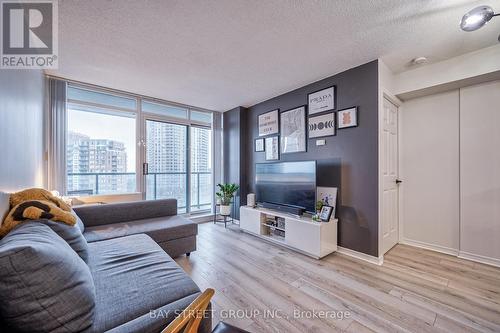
{"x": 156, "y": 218}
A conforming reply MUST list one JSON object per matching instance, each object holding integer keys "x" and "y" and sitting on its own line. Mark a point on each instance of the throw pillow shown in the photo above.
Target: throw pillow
{"x": 35, "y": 210}
{"x": 44, "y": 285}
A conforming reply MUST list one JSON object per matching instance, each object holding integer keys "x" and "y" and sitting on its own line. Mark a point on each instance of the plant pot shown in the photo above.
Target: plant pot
{"x": 225, "y": 210}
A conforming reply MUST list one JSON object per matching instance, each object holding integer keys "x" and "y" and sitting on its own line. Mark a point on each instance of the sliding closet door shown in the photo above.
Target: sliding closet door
{"x": 429, "y": 168}
{"x": 480, "y": 172}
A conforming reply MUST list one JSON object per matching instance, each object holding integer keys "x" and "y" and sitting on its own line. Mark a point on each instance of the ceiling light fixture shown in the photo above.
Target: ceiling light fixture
{"x": 477, "y": 18}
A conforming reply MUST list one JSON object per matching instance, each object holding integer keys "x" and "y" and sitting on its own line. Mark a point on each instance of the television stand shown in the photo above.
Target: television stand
{"x": 299, "y": 233}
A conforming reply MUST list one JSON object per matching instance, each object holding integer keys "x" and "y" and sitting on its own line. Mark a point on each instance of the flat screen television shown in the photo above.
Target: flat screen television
{"x": 287, "y": 183}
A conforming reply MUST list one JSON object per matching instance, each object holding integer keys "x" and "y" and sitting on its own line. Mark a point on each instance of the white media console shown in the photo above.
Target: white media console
{"x": 315, "y": 239}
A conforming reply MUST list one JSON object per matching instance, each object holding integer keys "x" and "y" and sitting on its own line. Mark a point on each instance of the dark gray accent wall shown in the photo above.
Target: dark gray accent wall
{"x": 348, "y": 161}
{"x": 22, "y": 98}
{"x": 235, "y": 153}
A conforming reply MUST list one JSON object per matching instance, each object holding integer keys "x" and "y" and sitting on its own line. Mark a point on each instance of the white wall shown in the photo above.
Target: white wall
{"x": 429, "y": 167}
{"x": 22, "y": 98}
{"x": 480, "y": 172}
{"x": 449, "y": 74}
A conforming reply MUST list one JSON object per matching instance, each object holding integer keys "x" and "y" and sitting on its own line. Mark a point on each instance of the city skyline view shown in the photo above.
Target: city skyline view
{"x": 96, "y": 153}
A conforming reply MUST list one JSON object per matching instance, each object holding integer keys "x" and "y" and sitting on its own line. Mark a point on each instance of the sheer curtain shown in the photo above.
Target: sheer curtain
{"x": 57, "y": 121}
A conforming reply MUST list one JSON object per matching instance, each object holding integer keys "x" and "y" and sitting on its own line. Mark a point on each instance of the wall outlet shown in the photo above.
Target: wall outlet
{"x": 321, "y": 142}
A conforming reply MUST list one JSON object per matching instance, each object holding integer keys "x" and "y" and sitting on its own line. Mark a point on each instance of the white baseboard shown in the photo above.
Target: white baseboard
{"x": 359, "y": 255}
{"x": 453, "y": 252}
{"x": 482, "y": 259}
{"x": 432, "y": 247}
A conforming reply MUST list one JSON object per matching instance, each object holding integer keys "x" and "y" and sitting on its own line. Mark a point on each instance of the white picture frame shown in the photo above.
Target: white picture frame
{"x": 329, "y": 197}
{"x": 272, "y": 148}
{"x": 321, "y": 101}
{"x": 268, "y": 123}
{"x": 321, "y": 126}
{"x": 293, "y": 131}
{"x": 347, "y": 118}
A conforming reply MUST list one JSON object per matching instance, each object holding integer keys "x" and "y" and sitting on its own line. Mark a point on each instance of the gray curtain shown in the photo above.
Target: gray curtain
{"x": 57, "y": 127}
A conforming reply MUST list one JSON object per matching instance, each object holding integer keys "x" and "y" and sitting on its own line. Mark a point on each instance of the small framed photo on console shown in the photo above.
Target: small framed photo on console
{"x": 326, "y": 213}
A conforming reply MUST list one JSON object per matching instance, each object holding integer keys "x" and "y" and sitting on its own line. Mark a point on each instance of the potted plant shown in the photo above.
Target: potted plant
{"x": 225, "y": 196}
{"x": 319, "y": 205}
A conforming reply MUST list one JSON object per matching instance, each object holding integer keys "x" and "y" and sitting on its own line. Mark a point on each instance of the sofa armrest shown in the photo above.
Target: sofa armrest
{"x": 94, "y": 215}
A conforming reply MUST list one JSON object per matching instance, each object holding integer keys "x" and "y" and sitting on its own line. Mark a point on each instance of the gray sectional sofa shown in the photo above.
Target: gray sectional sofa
{"x": 157, "y": 219}
{"x": 118, "y": 278}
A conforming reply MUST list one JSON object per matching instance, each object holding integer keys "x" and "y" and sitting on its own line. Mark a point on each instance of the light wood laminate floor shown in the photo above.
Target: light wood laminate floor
{"x": 262, "y": 287}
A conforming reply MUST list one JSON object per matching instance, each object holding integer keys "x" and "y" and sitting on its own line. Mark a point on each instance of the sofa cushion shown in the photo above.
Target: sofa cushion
{"x": 93, "y": 215}
{"x": 134, "y": 276}
{"x": 79, "y": 221}
{"x": 161, "y": 229}
{"x": 44, "y": 285}
{"x": 72, "y": 235}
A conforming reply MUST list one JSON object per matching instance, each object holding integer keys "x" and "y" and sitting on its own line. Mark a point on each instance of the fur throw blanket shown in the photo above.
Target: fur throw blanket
{"x": 35, "y": 204}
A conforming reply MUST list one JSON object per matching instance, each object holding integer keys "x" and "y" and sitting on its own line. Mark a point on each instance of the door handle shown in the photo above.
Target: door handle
{"x": 145, "y": 168}
{"x": 398, "y": 181}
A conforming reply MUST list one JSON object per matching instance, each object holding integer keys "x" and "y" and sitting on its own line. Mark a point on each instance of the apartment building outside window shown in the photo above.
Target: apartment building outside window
{"x": 109, "y": 136}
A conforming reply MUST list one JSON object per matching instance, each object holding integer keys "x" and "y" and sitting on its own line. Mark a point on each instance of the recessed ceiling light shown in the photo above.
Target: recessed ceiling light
{"x": 419, "y": 61}
{"x": 477, "y": 18}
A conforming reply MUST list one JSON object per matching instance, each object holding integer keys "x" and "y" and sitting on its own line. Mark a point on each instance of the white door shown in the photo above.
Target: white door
{"x": 390, "y": 232}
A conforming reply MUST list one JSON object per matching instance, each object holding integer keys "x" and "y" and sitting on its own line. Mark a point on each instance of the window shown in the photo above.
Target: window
{"x": 100, "y": 149}
{"x": 110, "y": 134}
{"x": 164, "y": 110}
{"x": 203, "y": 117}
{"x": 201, "y": 168}
{"x": 94, "y": 97}
{"x": 166, "y": 158}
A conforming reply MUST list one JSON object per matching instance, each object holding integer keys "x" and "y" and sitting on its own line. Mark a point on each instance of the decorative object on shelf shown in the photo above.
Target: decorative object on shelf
{"x": 259, "y": 145}
{"x": 323, "y": 125}
{"x": 348, "y": 117}
{"x": 226, "y": 194}
{"x": 268, "y": 123}
{"x": 328, "y": 196}
{"x": 319, "y": 205}
{"x": 251, "y": 199}
{"x": 326, "y": 213}
{"x": 293, "y": 130}
{"x": 322, "y": 100}
{"x": 272, "y": 148}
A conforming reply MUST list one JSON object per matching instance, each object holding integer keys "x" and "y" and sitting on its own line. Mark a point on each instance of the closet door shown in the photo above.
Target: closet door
{"x": 480, "y": 172}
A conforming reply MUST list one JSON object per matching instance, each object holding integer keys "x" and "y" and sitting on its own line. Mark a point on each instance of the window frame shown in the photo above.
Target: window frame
{"x": 140, "y": 134}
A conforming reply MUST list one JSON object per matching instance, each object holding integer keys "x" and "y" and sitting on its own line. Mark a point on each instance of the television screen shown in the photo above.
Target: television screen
{"x": 287, "y": 183}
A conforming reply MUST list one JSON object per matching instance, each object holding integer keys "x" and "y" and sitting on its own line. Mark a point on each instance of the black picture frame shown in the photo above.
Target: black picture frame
{"x": 261, "y": 140}
{"x": 273, "y": 140}
{"x": 326, "y": 213}
{"x": 314, "y": 112}
{"x": 304, "y": 128}
{"x": 340, "y": 112}
{"x": 311, "y": 127}
{"x": 276, "y": 113}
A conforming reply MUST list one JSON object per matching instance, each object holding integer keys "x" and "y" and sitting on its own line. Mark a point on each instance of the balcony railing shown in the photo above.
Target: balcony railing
{"x": 159, "y": 185}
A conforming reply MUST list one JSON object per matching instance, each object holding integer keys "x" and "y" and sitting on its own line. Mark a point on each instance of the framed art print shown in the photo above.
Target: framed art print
{"x": 347, "y": 118}
{"x": 320, "y": 101}
{"x": 259, "y": 145}
{"x": 326, "y": 213}
{"x": 323, "y": 125}
{"x": 268, "y": 123}
{"x": 293, "y": 130}
{"x": 272, "y": 148}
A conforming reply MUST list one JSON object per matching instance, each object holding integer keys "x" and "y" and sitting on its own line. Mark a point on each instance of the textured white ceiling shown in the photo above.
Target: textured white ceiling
{"x": 219, "y": 54}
